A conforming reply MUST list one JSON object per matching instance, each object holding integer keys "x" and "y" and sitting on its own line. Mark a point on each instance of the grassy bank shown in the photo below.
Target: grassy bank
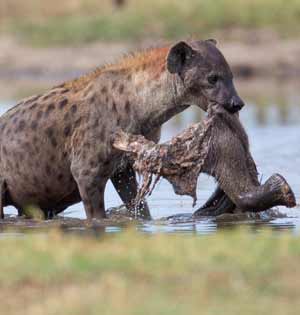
{"x": 228, "y": 273}
{"x": 77, "y": 21}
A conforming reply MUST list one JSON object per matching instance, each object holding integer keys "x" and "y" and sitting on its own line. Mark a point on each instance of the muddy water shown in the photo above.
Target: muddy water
{"x": 272, "y": 119}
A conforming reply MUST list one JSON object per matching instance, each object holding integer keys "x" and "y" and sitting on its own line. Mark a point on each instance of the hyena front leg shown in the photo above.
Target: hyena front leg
{"x": 91, "y": 185}
{"x": 126, "y": 184}
{"x": 124, "y": 181}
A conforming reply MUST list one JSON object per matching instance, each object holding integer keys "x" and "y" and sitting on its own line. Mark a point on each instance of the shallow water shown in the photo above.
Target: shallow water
{"x": 273, "y": 124}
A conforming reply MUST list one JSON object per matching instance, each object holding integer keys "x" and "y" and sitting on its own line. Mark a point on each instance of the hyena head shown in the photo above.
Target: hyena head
{"x": 205, "y": 75}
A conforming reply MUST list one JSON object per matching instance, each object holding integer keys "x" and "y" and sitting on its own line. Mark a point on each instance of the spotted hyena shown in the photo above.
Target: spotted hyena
{"x": 56, "y": 148}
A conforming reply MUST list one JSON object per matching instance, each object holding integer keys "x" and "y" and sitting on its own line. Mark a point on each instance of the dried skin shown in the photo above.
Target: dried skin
{"x": 180, "y": 160}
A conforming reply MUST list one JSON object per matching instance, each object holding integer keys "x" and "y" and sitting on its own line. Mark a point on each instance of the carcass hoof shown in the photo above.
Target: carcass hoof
{"x": 286, "y": 195}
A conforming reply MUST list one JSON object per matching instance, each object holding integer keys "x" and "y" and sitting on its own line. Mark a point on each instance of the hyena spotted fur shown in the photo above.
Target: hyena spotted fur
{"x": 56, "y": 148}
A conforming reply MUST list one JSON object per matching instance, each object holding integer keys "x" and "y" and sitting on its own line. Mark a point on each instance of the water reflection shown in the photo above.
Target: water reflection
{"x": 272, "y": 120}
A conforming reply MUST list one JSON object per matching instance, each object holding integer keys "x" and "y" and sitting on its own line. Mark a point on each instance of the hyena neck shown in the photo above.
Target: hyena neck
{"x": 139, "y": 84}
{"x": 158, "y": 100}
{"x": 157, "y": 93}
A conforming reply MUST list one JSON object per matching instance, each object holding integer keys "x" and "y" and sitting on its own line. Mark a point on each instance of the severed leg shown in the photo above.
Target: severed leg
{"x": 230, "y": 162}
{"x": 214, "y": 199}
{"x": 217, "y": 204}
{"x": 218, "y": 147}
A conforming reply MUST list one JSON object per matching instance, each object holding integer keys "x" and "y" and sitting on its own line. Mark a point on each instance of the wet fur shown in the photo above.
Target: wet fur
{"x": 229, "y": 159}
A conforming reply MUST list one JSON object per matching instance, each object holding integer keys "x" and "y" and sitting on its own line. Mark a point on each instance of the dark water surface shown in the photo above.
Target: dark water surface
{"x": 272, "y": 120}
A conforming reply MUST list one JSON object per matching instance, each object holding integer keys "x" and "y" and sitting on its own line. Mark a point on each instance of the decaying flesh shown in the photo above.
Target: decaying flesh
{"x": 219, "y": 147}
{"x": 180, "y": 160}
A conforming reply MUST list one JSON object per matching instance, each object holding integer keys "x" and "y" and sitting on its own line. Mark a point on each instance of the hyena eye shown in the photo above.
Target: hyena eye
{"x": 213, "y": 79}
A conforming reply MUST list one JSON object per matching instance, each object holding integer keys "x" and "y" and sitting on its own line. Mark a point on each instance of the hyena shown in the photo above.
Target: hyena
{"x": 56, "y": 148}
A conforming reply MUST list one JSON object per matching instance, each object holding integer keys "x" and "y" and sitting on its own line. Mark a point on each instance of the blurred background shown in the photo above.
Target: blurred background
{"x": 44, "y": 43}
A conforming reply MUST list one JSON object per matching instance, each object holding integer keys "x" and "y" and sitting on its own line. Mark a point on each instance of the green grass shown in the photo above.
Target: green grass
{"x": 228, "y": 273}
{"x": 86, "y": 22}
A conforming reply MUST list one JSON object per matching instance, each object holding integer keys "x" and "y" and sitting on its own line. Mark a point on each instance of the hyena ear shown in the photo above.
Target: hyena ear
{"x": 177, "y": 57}
{"x": 212, "y": 41}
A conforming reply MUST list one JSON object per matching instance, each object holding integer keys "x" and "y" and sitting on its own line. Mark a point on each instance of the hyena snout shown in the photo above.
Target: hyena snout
{"x": 235, "y": 104}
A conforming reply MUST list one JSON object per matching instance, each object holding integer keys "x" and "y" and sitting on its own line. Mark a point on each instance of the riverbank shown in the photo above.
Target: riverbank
{"x": 38, "y": 67}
